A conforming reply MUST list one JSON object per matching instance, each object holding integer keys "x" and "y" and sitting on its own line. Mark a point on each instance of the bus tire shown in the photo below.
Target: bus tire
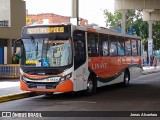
{"x": 126, "y": 79}
{"x": 91, "y": 85}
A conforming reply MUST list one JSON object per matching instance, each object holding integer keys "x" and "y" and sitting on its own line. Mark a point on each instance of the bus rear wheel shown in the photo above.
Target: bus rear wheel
{"x": 91, "y": 86}
{"x": 126, "y": 79}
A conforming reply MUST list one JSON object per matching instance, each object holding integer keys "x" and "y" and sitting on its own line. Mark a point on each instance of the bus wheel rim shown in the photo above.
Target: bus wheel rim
{"x": 90, "y": 85}
{"x": 126, "y": 79}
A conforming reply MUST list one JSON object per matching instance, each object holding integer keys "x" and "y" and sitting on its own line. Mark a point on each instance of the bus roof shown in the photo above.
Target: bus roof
{"x": 97, "y": 29}
{"x": 105, "y": 31}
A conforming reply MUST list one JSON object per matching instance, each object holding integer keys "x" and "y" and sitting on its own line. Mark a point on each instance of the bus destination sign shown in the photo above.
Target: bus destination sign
{"x": 45, "y": 30}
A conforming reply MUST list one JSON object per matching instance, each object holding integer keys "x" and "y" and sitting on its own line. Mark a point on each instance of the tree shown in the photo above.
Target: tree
{"x": 156, "y": 35}
{"x": 113, "y": 20}
{"x": 133, "y": 21}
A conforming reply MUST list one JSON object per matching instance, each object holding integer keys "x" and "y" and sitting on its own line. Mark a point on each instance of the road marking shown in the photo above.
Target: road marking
{"x": 77, "y": 102}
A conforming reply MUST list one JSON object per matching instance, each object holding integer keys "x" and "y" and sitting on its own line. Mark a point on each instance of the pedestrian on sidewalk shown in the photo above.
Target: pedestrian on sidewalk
{"x": 155, "y": 62}
{"x": 151, "y": 60}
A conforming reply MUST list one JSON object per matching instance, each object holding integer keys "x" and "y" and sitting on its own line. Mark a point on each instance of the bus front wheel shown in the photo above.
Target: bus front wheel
{"x": 91, "y": 85}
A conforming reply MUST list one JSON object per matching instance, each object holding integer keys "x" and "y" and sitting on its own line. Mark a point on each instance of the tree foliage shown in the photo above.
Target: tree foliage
{"x": 113, "y": 20}
{"x": 156, "y": 35}
{"x": 133, "y": 20}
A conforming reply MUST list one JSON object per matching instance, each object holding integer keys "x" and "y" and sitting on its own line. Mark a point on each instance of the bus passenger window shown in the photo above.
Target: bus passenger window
{"x": 127, "y": 47}
{"x": 121, "y": 46}
{"x": 113, "y": 49}
{"x": 113, "y": 46}
{"x": 92, "y": 44}
{"x": 139, "y": 47}
{"x": 105, "y": 48}
{"x": 134, "y": 47}
{"x": 103, "y": 44}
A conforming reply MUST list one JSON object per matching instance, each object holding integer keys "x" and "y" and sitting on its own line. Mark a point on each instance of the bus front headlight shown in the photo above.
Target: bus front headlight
{"x": 66, "y": 77}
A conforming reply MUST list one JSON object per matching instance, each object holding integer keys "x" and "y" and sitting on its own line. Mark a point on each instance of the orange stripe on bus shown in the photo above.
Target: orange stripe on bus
{"x": 23, "y": 86}
{"x": 66, "y": 86}
{"x": 106, "y": 67}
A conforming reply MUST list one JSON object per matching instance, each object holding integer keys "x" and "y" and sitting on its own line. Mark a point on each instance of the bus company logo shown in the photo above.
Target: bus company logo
{"x": 99, "y": 66}
{"x": 6, "y": 114}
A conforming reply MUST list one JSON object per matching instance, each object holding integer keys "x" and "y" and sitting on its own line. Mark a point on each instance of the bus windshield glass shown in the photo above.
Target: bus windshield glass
{"x": 46, "y": 52}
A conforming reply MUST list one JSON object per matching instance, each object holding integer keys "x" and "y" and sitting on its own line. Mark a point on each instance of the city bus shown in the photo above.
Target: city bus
{"x": 68, "y": 58}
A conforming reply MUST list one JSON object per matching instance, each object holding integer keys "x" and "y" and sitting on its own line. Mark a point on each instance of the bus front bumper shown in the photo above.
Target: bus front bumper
{"x": 66, "y": 86}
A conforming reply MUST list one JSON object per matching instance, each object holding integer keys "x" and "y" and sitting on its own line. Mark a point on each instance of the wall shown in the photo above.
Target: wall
{"x": 17, "y": 22}
{"x": 52, "y": 18}
{"x": 18, "y": 15}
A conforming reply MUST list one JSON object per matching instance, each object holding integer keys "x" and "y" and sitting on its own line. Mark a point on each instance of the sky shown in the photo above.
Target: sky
{"x": 92, "y": 10}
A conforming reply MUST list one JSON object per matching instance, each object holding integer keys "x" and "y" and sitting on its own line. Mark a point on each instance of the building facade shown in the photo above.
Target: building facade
{"x": 50, "y": 18}
{"x": 12, "y": 19}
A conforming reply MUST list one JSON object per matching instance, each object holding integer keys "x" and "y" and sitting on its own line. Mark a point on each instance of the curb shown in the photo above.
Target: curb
{"x": 17, "y": 96}
{"x": 146, "y": 73}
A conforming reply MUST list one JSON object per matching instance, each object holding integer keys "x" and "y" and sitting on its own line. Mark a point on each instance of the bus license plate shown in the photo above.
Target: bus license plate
{"x": 41, "y": 87}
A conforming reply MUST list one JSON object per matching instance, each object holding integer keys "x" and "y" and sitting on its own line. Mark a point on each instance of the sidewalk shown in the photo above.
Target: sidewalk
{"x": 150, "y": 69}
{"x": 10, "y": 88}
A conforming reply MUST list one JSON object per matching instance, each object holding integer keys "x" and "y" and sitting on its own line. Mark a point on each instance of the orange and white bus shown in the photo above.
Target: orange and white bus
{"x": 65, "y": 58}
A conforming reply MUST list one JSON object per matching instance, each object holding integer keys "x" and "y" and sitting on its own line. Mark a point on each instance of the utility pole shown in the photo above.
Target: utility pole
{"x": 123, "y": 24}
{"x": 150, "y": 40}
{"x": 75, "y": 11}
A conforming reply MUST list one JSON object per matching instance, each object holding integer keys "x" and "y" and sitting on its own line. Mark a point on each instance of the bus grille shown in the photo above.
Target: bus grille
{"x": 41, "y": 85}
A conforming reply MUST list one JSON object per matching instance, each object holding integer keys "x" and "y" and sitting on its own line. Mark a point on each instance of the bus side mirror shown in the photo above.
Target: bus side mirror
{"x": 16, "y": 44}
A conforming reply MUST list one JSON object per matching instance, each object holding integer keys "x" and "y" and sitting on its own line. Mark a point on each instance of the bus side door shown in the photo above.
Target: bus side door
{"x": 80, "y": 63}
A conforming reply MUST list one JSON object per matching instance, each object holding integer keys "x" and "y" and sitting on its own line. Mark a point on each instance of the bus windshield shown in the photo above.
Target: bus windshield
{"x": 46, "y": 52}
